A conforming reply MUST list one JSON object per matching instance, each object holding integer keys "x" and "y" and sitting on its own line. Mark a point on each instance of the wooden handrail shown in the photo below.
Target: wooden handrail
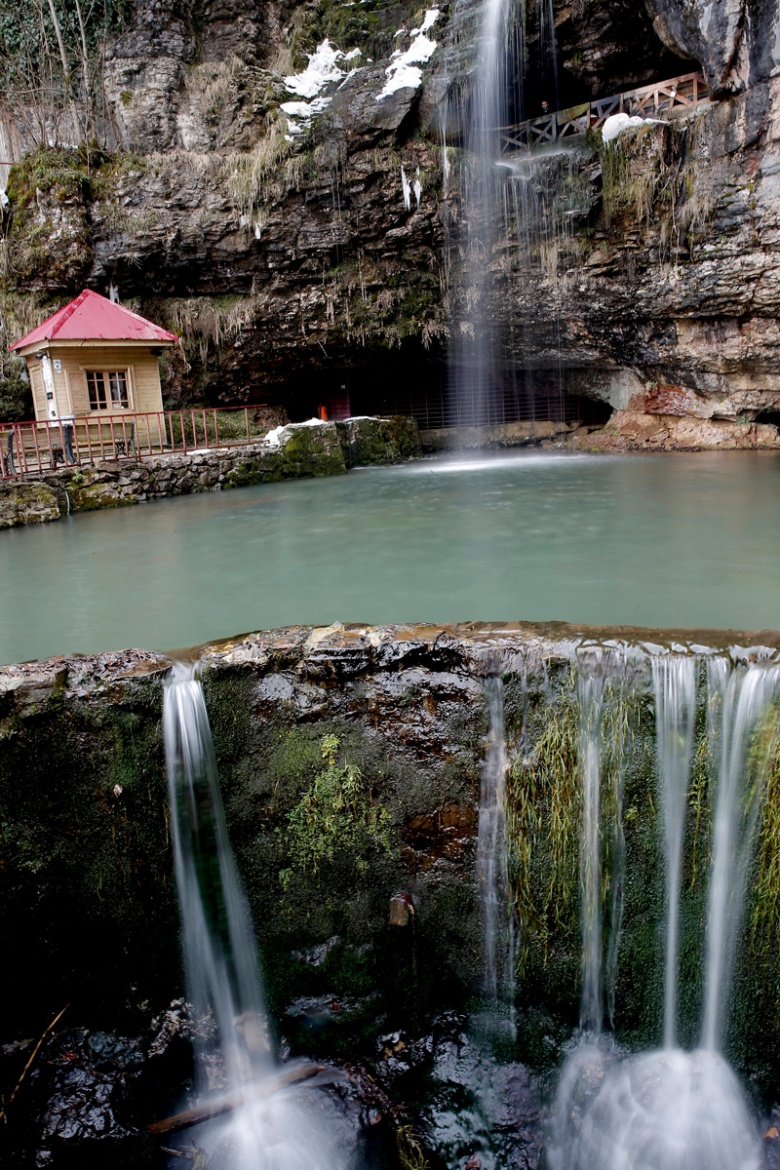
{"x": 661, "y": 97}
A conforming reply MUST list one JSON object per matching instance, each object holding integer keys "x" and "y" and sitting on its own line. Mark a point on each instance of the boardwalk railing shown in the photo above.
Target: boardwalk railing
{"x": 664, "y": 97}
{"x": 32, "y": 448}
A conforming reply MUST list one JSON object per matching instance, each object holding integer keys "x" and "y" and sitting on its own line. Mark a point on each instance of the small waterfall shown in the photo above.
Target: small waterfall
{"x": 493, "y": 860}
{"x": 745, "y": 699}
{"x": 591, "y": 696}
{"x": 263, "y": 1129}
{"x": 219, "y": 954}
{"x": 670, "y": 1109}
{"x": 674, "y": 681}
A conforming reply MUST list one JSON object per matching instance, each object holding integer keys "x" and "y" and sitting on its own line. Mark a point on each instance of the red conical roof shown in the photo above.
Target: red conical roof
{"x": 92, "y": 317}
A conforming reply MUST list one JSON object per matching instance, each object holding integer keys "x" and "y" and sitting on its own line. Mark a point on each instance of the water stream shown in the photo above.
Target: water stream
{"x": 671, "y": 1109}
{"x": 493, "y": 859}
{"x": 257, "y": 1125}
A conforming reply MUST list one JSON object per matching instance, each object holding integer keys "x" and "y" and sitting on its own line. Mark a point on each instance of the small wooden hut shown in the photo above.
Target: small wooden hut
{"x": 94, "y": 359}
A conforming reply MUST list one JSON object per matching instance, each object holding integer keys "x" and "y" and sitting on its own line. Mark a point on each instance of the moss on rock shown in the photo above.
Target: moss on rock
{"x": 27, "y": 503}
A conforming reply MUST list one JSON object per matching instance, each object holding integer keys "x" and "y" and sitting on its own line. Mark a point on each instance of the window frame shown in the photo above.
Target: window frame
{"x": 102, "y": 381}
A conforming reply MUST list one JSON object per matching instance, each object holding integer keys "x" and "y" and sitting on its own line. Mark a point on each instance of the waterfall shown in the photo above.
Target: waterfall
{"x": 515, "y": 230}
{"x": 591, "y": 695}
{"x": 674, "y": 681}
{"x": 745, "y": 699}
{"x": 671, "y": 1109}
{"x": 475, "y": 348}
{"x": 219, "y": 956}
{"x": 263, "y": 1129}
{"x": 493, "y": 859}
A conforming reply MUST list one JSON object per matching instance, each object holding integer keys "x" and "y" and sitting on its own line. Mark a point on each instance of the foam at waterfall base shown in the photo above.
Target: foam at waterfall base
{"x": 663, "y": 1110}
{"x": 277, "y": 1133}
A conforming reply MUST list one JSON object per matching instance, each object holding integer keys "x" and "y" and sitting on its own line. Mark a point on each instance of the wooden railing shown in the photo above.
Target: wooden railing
{"x": 651, "y": 101}
{"x": 32, "y": 448}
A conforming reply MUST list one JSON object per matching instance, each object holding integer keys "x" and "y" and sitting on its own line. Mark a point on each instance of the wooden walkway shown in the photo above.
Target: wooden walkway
{"x": 651, "y": 101}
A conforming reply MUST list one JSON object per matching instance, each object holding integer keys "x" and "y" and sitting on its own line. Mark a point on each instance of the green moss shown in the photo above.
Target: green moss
{"x": 84, "y": 851}
{"x": 333, "y": 816}
{"x": 379, "y": 440}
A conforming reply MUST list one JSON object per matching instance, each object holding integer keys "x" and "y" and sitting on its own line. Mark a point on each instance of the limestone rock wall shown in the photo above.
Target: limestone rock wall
{"x": 287, "y": 257}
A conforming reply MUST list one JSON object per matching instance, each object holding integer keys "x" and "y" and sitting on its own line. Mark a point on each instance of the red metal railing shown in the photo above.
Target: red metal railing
{"x": 649, "y": 101}
{"x": 32, "y": 448}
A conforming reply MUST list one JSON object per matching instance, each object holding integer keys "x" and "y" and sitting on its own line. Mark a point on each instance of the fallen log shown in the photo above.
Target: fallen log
{"x": 220, "y": 1105}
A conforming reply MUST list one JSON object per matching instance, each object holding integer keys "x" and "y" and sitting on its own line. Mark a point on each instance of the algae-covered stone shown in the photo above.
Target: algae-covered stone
{"x": 27, "y": 503}
{"x": 379, "y": 440}
{"x": 295, "y": 451}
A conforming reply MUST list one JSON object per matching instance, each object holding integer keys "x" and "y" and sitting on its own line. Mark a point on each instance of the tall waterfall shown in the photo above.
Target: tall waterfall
{"x": 515, "y": 225}
{"x": 262, "y": 1129}
{"x": 670, "y": 1109}
{"x": 476, "y": 339}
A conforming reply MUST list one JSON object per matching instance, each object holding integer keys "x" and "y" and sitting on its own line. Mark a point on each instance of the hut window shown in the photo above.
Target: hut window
{"x": 107, "y": 388}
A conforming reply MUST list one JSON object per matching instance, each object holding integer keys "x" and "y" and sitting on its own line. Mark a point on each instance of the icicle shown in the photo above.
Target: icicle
{"x": 407, "y": 190}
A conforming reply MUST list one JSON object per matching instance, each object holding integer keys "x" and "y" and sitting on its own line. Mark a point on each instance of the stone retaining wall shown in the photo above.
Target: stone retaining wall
{"x": 298, "y": 451}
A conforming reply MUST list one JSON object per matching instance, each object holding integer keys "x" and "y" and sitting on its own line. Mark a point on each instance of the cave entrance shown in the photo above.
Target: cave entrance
{"x": 574, "y": 53}
{"x": 409, "y": 382}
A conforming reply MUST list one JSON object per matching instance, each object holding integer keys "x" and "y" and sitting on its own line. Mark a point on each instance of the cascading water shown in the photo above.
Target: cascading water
{"x": 492, "y": 859}
{"x": 591, "y": 694}
{"x": 671, "y": 1109}
{"x": 262, "y": 1127}
{"x": 745, "y": 698}
{"x": 515, "y": 231}
{"x": 475, "y": 339}
{"x": 674, "y": 682}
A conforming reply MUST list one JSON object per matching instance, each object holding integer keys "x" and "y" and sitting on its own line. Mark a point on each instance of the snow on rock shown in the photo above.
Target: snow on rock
{"x": 279, "y": 436}
{"x": 326, "y": 67}
{"x": 404, "y": 70}
{"x": 617, "y": 123}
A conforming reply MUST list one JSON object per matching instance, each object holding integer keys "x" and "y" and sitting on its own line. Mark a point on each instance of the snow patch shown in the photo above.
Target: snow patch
{"x": 325, "y": 66}
{"x": 617, "y": 123}
{"x": 325, "y": 69}
{"x": 279, "y": 436}
{"x": 404, "y": 70}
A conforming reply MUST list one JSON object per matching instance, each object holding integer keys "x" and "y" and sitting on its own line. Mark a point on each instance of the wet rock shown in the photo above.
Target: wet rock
{"x": 479, "y": 1107}
{"x": 27, "y": 503}
{"x": 87, "y": 1081}
{"x": 631, "y": 430}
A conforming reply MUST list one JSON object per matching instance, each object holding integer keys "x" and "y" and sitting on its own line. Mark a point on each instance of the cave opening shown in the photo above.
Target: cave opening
{"x": 571, "y": 54}
{"x": 411, "y": 381}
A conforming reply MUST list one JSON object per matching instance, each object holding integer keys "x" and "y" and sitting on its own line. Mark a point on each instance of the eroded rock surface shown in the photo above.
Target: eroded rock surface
{"x": 288, "y": 250}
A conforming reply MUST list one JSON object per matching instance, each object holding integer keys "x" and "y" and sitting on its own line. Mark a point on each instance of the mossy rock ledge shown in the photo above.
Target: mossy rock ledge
{"x": 87, "y": 899}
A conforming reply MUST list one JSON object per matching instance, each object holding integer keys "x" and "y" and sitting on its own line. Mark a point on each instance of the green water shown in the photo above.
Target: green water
{"x": 665, "y": 541}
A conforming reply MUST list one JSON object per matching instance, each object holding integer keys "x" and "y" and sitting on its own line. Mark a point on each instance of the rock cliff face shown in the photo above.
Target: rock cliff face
{"x": 297, "y": 242}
